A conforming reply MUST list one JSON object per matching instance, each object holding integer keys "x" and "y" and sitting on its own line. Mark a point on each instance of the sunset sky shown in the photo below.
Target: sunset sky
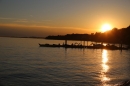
{"x": 60, "y": 17}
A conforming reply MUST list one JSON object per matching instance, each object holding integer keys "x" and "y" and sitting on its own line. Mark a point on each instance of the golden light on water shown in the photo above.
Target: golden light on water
{"x": 105, "y": 68}
{"x": 104, "y": 57}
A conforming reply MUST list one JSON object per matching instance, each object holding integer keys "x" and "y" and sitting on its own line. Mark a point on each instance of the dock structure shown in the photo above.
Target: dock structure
{"x": 92, "y": 46}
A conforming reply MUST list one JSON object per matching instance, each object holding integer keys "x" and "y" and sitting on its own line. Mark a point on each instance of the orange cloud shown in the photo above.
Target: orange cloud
{"x": 35, "y": 30}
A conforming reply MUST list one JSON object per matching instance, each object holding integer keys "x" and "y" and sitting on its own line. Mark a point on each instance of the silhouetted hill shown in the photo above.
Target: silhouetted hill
{"x": 112, "y": 36}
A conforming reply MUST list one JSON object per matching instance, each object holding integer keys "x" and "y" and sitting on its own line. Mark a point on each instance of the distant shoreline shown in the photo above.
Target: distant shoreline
{"x": 24, "y": 37}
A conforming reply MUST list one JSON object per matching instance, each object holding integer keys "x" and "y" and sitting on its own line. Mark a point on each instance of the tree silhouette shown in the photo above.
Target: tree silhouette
{"x": 115, "y": 35}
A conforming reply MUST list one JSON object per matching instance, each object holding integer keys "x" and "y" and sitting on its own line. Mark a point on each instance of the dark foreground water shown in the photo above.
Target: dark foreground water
{"x": 24, "y": 63}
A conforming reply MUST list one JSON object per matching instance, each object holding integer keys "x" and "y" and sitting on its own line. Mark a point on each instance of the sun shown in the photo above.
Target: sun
{"x": 106, "y": 27}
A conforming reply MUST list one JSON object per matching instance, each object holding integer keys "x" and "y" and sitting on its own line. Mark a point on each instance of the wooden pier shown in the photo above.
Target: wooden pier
{"x": 92, "y": 46}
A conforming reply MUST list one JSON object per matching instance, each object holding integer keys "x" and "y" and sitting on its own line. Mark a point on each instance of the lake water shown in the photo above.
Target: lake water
{"x": 24, "y": 63}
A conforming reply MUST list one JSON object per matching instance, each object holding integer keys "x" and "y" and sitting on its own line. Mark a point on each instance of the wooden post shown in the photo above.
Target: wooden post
{"x": 84, "y": 43}
{"x": 121, "y": 45}
{"x": 87, "y": 43}
{"x": 65, "y": 42}
{"x": 81, "y": 42}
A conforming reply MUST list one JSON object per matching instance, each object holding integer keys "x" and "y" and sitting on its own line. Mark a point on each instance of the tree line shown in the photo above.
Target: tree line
{"x": 115, "y": 35}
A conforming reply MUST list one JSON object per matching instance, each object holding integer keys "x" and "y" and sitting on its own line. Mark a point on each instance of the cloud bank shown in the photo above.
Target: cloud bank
{"x": 17, "y": 30}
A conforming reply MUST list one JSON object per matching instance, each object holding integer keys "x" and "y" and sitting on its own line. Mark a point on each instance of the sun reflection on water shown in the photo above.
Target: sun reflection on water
{"x": 105, "y": 68}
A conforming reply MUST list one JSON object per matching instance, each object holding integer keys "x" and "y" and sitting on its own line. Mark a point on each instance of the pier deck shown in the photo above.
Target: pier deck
{"x": 81, "y": 46}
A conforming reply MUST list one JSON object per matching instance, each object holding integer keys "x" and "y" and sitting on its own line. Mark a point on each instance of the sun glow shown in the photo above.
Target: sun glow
{"x": 106, "y": 27}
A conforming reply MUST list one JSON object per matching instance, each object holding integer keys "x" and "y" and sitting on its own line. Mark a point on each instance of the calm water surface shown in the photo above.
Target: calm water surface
{"x": 24, "y": 63}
